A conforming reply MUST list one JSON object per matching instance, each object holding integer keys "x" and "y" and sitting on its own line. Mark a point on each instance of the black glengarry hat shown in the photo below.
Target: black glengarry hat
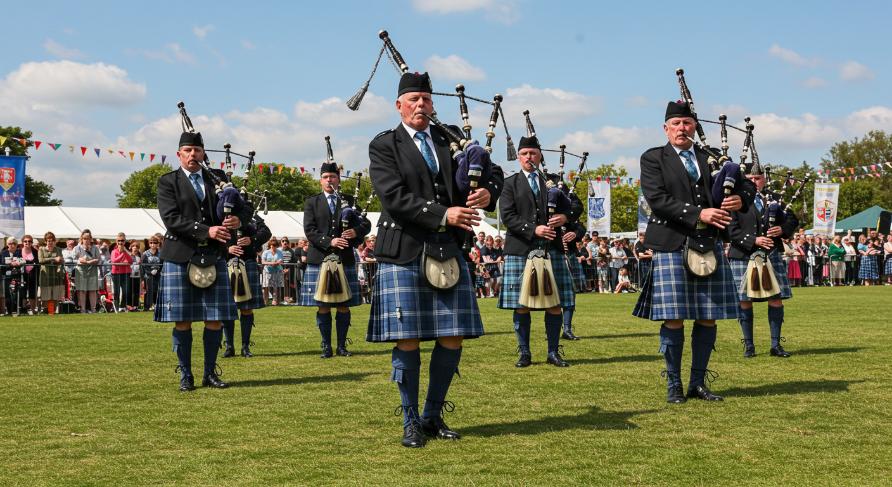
{"x": 191, "y": 138}
{"x": 414, "y": 82}
{"x": 529, "y": 142}
{"x": 678, "y": 109}
{"x": 329, "y": 167}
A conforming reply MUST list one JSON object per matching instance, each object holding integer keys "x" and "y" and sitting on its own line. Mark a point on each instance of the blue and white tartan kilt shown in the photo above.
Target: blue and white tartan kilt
{"x": 738, "y": 270}
{"x": 888, "y": 269}
{"x": 671, "y": 293}
{"x": 256, "y": 301}
{"x": 179, "y": 300}
{"x": 869, "y": 268}
{"x": 514, "y": 265}
{"x": 403, "y": 307}
{"x": 308, "y": 287}
{"x": 577, "y": 272}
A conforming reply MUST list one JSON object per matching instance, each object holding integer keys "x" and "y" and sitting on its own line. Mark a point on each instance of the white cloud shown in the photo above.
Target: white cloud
{"x": 61, "y": 51}
{"x": 170, "y": 53}
{"x": 504, "y": 11}
{"x": 453, "y": 67}
{"x": 792, "y": 57}
{"x": 608, "y": 138}
{"x": 549, "y": 107}
{"x": 333, "y": 112}
{"x": 872, "y": 118}
{"x": 201, "y": 31}
{"x": 815, "y": 82}
{"x": 807, "y": 130}
{"x": 246, "y": 44}
{"x": 855, "y": 71}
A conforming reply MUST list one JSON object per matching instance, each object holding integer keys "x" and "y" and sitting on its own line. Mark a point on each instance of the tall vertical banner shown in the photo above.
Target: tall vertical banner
{"x": 599, "y": 207}
{"x": 12, "y": 196}
{"x": 825, "y": 206}
{"x": 643, "y": 211}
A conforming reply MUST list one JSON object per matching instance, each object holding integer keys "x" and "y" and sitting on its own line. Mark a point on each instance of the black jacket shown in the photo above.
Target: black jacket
{"x": 320, "y": 228}
{"x": 747, "y": 224}
{"x": 405, "y": 187}
{"x": 187, "y": 220}
{"x": 521, "y": 213}
{"x": 670, "y": 194}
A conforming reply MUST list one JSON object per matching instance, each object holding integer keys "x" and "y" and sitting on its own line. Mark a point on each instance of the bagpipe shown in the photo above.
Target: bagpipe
{"x": 231, "y": 201}
{"x": 332, "y": 285}
{"x": 760, "y": 281}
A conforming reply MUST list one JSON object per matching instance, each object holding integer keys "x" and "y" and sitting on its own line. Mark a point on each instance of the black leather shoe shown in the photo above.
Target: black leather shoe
{"x": 246, "y": 352}
{"x": 213, "y": 380}
{"x": 568, "y": 335}
{"x": 436, "y": 428}
{"x": 749, "y": 351}
{"x": 779, "y": 351}
{"x": 228, "y": 352}
{"x": 326, "y": 351}
{"x": 525, "y": 360}
{"x": 703, "y": 392}
{"x": 413, "y": 437}
{"x": 343, "y": 352}
{"x": 187, "y": 383}
{"x": 675, "y": 395}
{"x": 554, "y": 358}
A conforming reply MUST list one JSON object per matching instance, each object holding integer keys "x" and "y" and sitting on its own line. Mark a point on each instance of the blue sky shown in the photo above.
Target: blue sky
{"x": 273, "y": 76}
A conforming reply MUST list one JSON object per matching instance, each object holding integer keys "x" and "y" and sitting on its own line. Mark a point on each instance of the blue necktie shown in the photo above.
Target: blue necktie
{"x": 197, "y": 186}
{"x": 426, "y": 152}
{"x": 759, "y": 206}
{"x": 534, "y": 184}
{"x": 331, "y": 203}
{"x": 689, "y": 165}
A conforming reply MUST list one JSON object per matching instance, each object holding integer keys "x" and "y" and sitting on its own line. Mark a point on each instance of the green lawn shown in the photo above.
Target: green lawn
{"x": 93, "y": 400}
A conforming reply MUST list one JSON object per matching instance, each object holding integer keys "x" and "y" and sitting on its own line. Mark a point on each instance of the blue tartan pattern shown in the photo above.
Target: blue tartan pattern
{"x": 513, "y": 270}
{"x": 868, "y": 268}
{"x": 308, "y": 287}
{"x": 738, "y": 270}
{"x": 577, "y": 272}
{"x": 179, "y": 300}
{"x": 888, "y": 269}
{"x": 403, "y": 307}
{"x": 671, "y": 293}
{"x": 256, "y": 301}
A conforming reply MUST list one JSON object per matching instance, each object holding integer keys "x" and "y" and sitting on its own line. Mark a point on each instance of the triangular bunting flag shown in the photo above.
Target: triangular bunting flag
{"x": 111, "y": 151}
{"x": 260, "y": 168}
{"x": 131, "y": 155}
{"x": 71, "y": 149}
{"x": 221, "y": 165}
{"x": 151, "y": 157}
{"x": 37, "y": 144}
{"x": 83, "y": 151}
{"x": 122, "y": 154}
{"x": 55, "y": 146}
{"x": 2, "y": 140}
{"x": 142, "y": 156}
{"x": 301, "y": 169}
{"x": 292, "y": 171}
{"x": 281, "y": 168}
{"x": 98, "y": 151}
{"x": 163, "y": 159}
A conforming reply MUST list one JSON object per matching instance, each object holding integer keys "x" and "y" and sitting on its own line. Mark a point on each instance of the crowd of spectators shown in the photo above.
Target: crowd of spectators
{"x": 88, "y": 275}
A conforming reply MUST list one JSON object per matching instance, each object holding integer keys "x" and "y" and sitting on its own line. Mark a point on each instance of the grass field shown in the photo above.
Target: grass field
{"x": 93, "y": 400}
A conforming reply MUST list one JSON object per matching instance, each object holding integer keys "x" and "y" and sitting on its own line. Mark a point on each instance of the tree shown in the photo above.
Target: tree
{"x": 140, "y": 189}
{"x": 865, "y": 191}
{"x": 37, "y": 193}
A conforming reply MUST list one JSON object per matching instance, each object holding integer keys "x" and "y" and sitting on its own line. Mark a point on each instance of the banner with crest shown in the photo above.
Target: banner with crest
{"x": 12, "y": 197}
{"x": 826, "y": 201}
{"x": 599, "y": 207}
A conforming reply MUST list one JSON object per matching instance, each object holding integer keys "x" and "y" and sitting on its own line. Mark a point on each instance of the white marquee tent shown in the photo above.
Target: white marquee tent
{"x": 140, "y": 223}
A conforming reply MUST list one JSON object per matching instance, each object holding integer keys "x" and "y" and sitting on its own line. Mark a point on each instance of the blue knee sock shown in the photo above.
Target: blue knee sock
{"x": 775, "y": 320}
{"x": 406, "y": 372}
{"x": 672, "y": 346}
{"x": 342, "y": 322}
{"x": 568, "y": 318}
{"x": 702, "y": 344}
{"x": 212, "y": 339}
{"x": 228, "y": 332}
{"x": 444, "y": 364}
{"x": 247, "y": 324}
{"x": 745, "y": 317}
{"x": 522, "y": 330}
{"x": 553, "y": 331}
{"x": 182, "y": 346}
{"x": 323, "y": 321}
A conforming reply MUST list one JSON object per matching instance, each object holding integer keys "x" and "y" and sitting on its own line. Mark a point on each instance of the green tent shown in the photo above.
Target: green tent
{"x": 866, "y": 219}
